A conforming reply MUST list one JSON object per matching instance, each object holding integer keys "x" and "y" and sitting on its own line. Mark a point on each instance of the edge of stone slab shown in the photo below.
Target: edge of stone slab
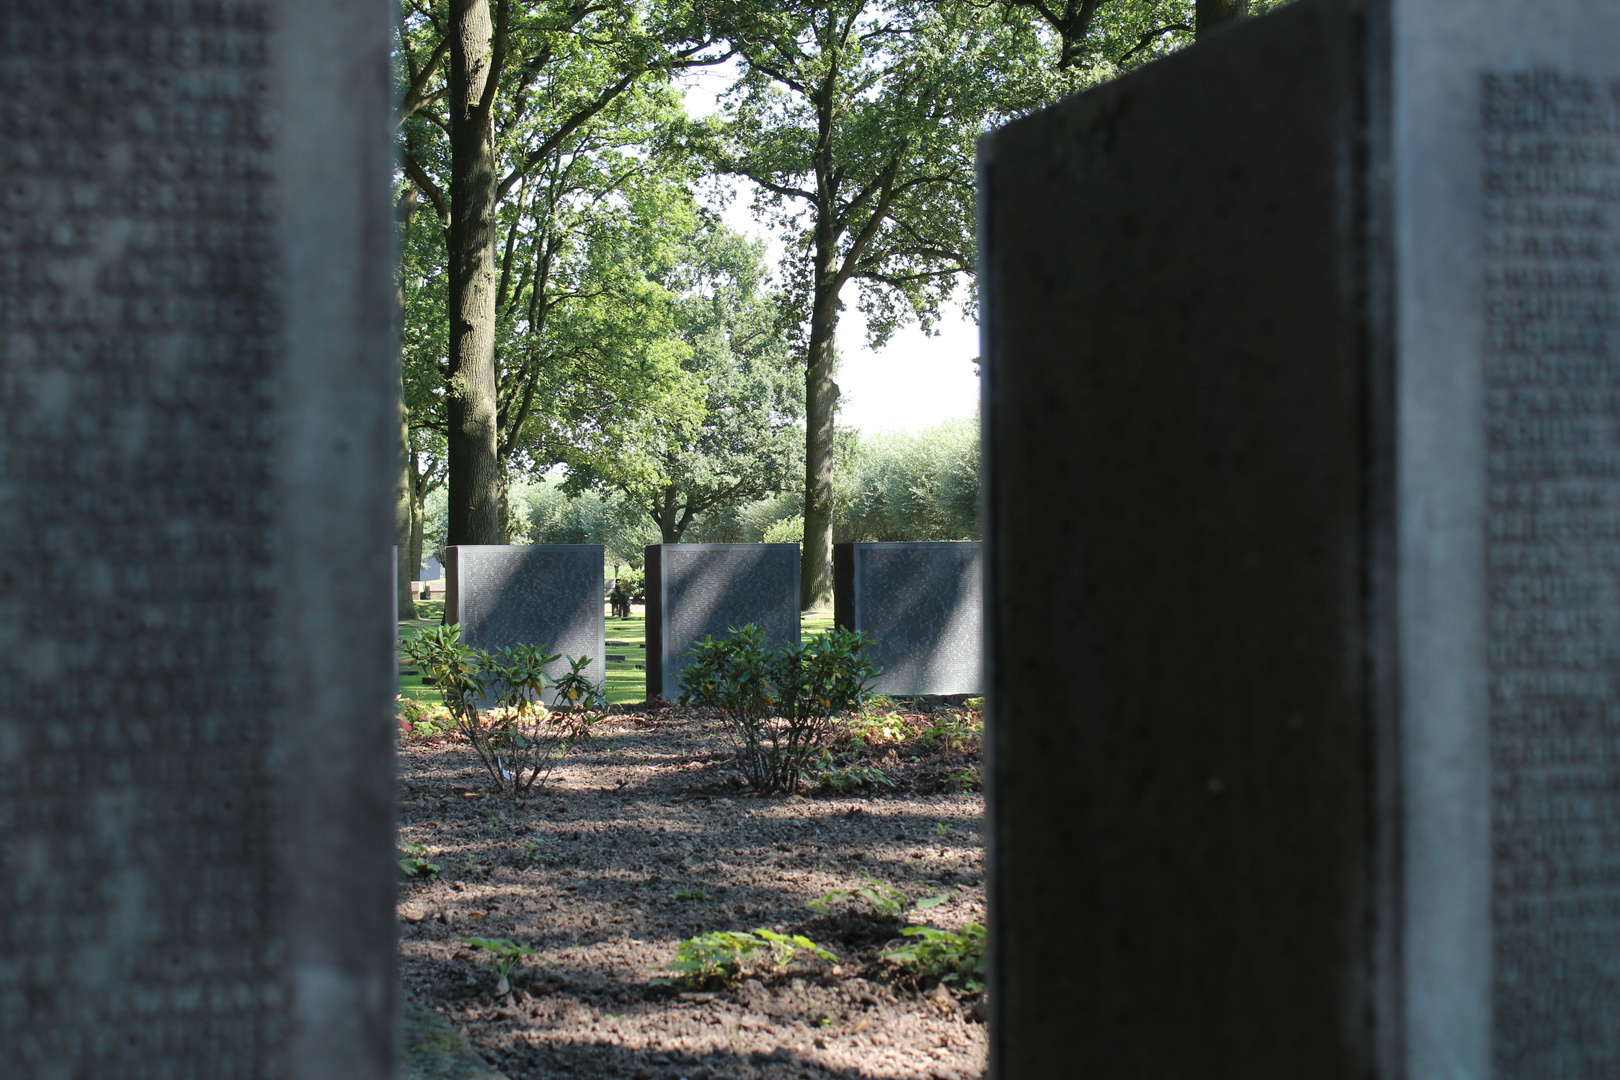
{"x": 434, "y": 1050}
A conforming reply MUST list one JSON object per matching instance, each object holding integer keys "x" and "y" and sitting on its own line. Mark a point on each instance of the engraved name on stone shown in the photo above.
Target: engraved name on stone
{"x": 138, "y": 326}
{"x": 1551, "y": 184}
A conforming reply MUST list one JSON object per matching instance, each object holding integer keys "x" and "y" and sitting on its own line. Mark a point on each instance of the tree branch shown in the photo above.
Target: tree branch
{"x": 771, "y": 186}
{"x": 555, "y": 139}
{"x": 420, "y": 177}
{"x": 416, "y": 94}
{"x": 1150, "y": 37}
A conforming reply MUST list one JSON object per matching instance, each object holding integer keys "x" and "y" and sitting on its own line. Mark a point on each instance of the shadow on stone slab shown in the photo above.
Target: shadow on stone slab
{"x": 434, "y": 1050}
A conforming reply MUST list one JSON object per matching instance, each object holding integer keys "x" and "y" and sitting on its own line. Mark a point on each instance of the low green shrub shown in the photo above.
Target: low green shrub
{"x": 721, "y": 955}
{"x": 519, "y": 740}
{"x": 956, "y": 732}
{"x": 414, "y": 863}
{"x": 877, "y": 721}
{"x": 842, "y": 779}
{"x": 874, "y": 899}
{"x": 422, "y": 719}
{"x": 779, "y": 705}
{"x": 787, "y": 531}
{"x": 952, "y": 956}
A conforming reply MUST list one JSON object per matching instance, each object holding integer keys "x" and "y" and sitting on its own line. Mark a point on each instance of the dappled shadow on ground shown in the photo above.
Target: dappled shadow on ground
{"x": 629, "y": 853}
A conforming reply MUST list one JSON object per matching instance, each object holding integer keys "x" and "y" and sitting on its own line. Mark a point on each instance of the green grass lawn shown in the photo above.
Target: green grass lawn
{"x": 626, "y": 651}
{"x": 627, "y": 658}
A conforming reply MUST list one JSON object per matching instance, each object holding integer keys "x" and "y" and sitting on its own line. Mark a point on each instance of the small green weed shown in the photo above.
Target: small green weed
{"x": 531, "y": 850}
{"x": 508, "y": 955}
{"x": 721, "y": 954}
{"x": 877, "y": 722}
{"x": 842, "y": 779}
{"x": 954, "y": 732}
{"x": 413, "y": 862}
{"x": 880, "y": 901}
{"x": 691, "y": 895}
{"x": 953, "y": 956}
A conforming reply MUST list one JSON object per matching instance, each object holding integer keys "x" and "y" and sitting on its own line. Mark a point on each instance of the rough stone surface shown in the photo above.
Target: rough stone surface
{"x": 1313, "y": 381}
{"x": 432, "y": 1048}
{"x": 547, "y": 595}
{"x": 922, "y": 605}
{"x": 195, "y": 764}
{"x": 707, "y": 590}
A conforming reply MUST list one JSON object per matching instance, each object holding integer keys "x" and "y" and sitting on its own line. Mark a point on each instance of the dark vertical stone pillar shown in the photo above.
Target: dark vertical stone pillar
{"x": 1301, "y": 347}
{"x": 653, "y": 583}
{"x": 196, "y": 873}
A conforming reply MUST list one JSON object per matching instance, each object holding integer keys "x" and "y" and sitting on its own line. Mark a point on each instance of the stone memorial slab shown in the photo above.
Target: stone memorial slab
{"x": 196, "y": 377}
{"x": 1303, "y": 553}
{"x": 707, "y": 590}
{"x": 922, "y": 605}
{"x": 543, "y": 594}
{"x": 430, "y": 570}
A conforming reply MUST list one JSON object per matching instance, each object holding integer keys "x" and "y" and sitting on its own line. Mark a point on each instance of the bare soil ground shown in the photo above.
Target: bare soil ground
{"x": 645, "y": 837}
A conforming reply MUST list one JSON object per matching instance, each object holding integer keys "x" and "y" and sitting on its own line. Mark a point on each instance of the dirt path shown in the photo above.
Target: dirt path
{"x": 642, "y": 840}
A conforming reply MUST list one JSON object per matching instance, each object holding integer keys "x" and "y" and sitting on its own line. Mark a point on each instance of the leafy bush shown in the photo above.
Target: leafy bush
{"x": 877, "y": 721}
{"x": 910, "y": 486}
{"x": 519, "y": 740}
{"x": 633, "y": 579}
{"x": 779, "y": 705}
{"x": 954, "y": 956}
{"x": 787, "y": 531}
{"x": 720, "y": 955}
{"x": 422, "y": 719}
{"x": 955, "y": 732}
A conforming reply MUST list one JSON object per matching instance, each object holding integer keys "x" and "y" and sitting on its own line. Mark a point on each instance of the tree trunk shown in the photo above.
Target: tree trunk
{"x": 820, "y": 405}
{"x": 404, "y": 504}
{"x": 504, "y": 502}
{"x": 669, "y": 532}
{"x": 405, "y": 477}
{"x": 474, "y": 481}
{"x": 418, "y": 519}
{"x": 1208, "y": 14}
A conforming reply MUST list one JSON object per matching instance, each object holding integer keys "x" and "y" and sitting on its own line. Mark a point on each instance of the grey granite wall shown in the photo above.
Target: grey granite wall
{"x": 547, "y": 595}
{"x": 196, "y": 760}
{"x": 707, "y": 590}
{"x": 922, "y": 604}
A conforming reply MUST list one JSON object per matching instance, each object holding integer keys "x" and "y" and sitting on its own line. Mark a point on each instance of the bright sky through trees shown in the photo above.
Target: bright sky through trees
{"x": 913, "y": 382}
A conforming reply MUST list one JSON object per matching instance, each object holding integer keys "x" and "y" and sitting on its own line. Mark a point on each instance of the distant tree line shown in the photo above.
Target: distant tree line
{"x": 893, "y": 486}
